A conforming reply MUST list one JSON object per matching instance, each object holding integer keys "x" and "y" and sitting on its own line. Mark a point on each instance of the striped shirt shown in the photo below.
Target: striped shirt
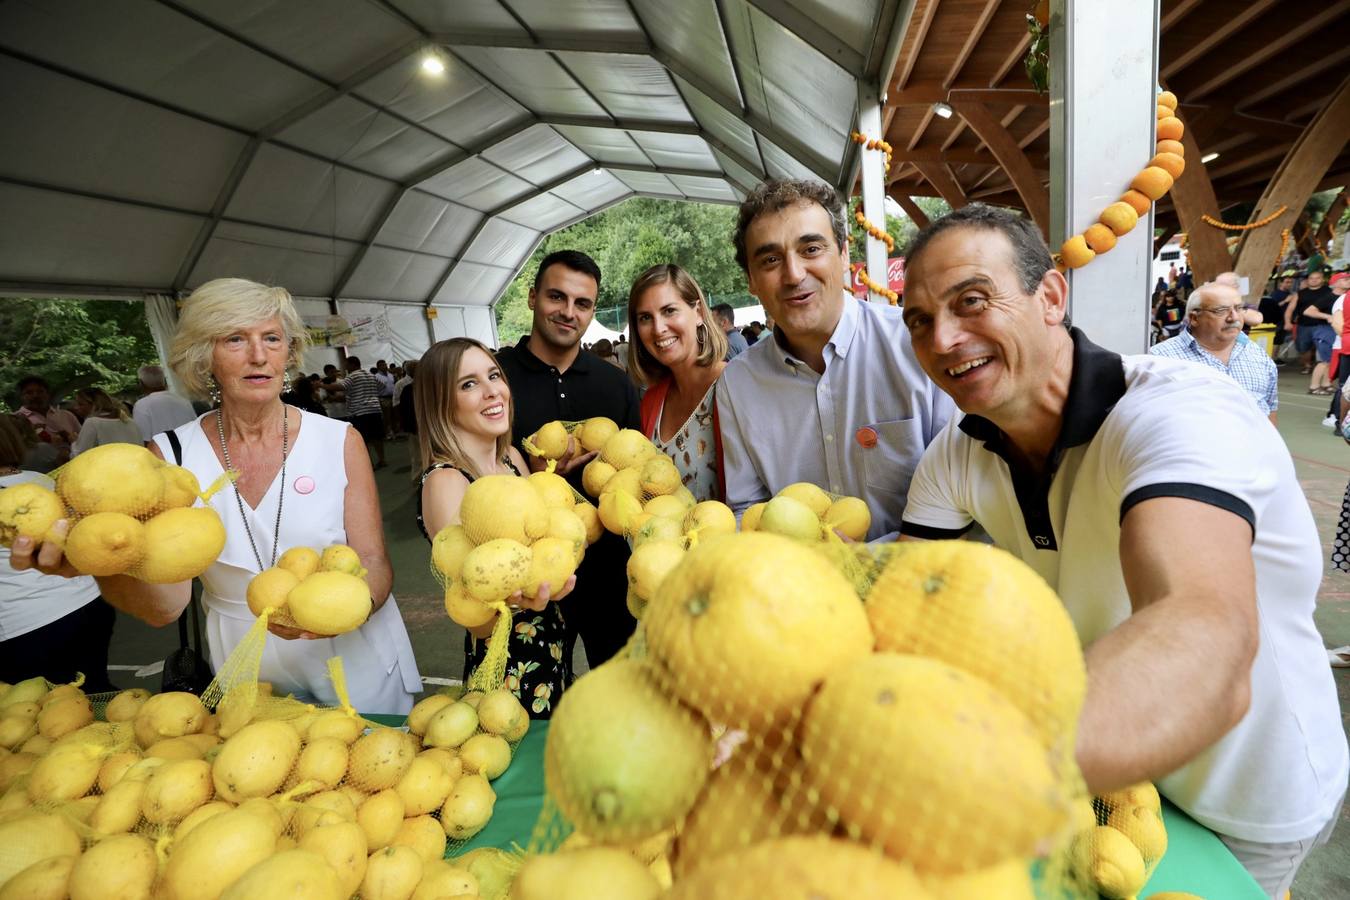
{"x": 363, "y": 394}
{"x": 1248, "y": 365}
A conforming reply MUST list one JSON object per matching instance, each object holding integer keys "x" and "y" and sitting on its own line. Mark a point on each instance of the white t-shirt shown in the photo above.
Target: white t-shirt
{"x": 161, "y": 411}
{"x": 29, "y": 599}
{"x": 97, "y": 431}
{"x": 1162, "y": 427}
{"x": 1335, "y": 308}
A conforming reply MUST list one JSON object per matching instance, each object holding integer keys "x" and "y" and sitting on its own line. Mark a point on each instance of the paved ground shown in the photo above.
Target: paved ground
{"x": 1322, "y": 461}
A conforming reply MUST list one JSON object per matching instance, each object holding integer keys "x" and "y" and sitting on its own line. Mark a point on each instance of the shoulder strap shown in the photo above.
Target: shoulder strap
{"x": 176, "y": 445}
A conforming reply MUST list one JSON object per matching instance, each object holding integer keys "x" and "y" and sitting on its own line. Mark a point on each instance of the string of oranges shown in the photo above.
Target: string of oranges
{"x": 1149, "y": 186}
{"x": 871, "y": 227}
{"x": 1210, "y": 220}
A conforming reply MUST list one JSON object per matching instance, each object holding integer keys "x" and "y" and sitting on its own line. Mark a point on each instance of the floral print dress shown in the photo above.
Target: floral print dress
{"x": 694, "y": 449}
{"x": 535, "y": 670}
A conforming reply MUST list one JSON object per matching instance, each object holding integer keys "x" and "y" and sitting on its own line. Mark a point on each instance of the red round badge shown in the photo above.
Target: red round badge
{"x": 866, "y": 437}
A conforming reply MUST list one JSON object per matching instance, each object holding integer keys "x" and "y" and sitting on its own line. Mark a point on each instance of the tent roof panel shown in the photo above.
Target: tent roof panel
{"x": 388, "y": 274}
{"x": 331, "y": 37}
{"x": 478, "y": 184}
{"x": 703, "y": 187}
{"x": 537, "y": 154}
{"x": 724, "y": 126}
{"x": 679, "y": 151}
{"x": 150, "y": 49}
{"x": 635, "y": 87}
{"x": 149, "y": 154}
{"x": 473, "y": 284}
{"x": 289, "y": 190}
{"x": 439, "y": 16}
{"x": 305, "y": 264}
{"x": 691, "y": 32}
{"x": 543, "y": 213}
{"x": 592, "y": 192}
{"x": 501, "y": 243}
{"x": 533, "y": 78}
{"x": 456, "y": 104}
{"x": 361, "y": 135}
{"x": 648, "y": 182}
{"x": 48, "y": 236}
{"x": 604, "y": 144}
{"x": 429, "y": 224}
{"x": 605, "y": 17}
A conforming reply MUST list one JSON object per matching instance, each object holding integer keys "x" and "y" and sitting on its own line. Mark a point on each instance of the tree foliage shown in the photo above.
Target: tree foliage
{"x": 73, "y": 344}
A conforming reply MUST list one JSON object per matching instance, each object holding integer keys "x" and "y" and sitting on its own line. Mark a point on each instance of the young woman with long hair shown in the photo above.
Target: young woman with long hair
{"x": 464, "y": 417}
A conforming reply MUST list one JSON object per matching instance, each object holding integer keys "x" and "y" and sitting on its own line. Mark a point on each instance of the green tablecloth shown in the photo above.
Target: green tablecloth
{"x": 1196, "y": 861}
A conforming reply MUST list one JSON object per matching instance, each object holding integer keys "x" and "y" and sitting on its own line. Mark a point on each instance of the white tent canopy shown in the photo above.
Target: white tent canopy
{"x": 152, "y": 145}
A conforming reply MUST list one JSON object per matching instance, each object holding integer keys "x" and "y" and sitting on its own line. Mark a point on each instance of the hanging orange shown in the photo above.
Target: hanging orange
{"x": 1099, "y": 238}
{"x": 1176, "y": 147}
{"x": 1153, "y": 182}
{"x": 1165, "y": 111}
{"x": 1170, "y": 129}
{"x": 1174, "y": 165}
{"x": 1168, "y": 99}
{"x": 1137, "y": 201}
{"x": 1120, "y": 217}
{"x": 1075, "y": 252}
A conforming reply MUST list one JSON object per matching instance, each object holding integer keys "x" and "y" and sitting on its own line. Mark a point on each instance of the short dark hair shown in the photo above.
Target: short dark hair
{"x": 1031, "y": 257}
{"x": 725, "y": 312}
{"x": 571, "y": 259}
{"x": 779, "y": 193}
{"x": 329, "y": 368}
{"x": 353, "y": 362}
{"x": 26, "y": 380}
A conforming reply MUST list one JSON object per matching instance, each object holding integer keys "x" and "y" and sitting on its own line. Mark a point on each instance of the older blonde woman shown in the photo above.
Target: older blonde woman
{"x": 304, "y": 481}
{"x": 679, "y": 351}
{"x": 106, "y": 421}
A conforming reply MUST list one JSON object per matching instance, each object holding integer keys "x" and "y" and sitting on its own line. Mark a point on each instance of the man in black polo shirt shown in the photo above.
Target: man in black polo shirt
{"x": 551, "y": 377}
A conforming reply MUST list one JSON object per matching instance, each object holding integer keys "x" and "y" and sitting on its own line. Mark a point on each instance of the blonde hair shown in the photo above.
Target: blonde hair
{"x": 712, "y": 348}
{"x": 16, "y": 437}
{"x": 434, "y": 405}
{"x": 102, "y": 405}
{"x": 218, "y": 309}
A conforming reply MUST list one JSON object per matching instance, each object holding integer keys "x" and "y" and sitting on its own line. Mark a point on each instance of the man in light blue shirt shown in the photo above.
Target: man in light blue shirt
{"x": 1214, "y": 338}
{"x": 835, "y": 396}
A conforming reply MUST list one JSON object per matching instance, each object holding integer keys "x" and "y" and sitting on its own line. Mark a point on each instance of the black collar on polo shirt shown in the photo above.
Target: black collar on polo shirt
{"x": 1096, "y": 384}
{"x": 581, "y": 365}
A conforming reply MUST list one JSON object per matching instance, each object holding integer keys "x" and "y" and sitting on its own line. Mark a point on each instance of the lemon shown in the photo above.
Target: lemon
{"x": 750, "y": 518}
{"x": 330, "y": 603}
{"x": 710, "y": 518}
{"x": 808, "y": 494}
{"x": 627, "y": 448}
{"x": 659, "y": 476}
{"x": 503, "y": 506}
{"x": 301, "y": 561}
{"x": 595, "y": 431}
{"x": 619, "y": 511}
{"x": 554, "y": 489}
{"x": 889, "y": 738}
{"x": 659, "y": 528}
{"x": 464, "y": 609}
{"x": 180, "y": 544}
{"x": 496, "y": 569}
{"x": 749, "y": 624}
{"x": 627, "y": 481}
{"x": 850, "y": 517}
{"x": 28, "y": 510}
{"x": 269, "y": 588}
{"x": 588, "y": 873}
{"x": 181, "y": 488}
{"x": 983, "y": 610}
{"x": 595, "y": 475}
{"x": 340, "y": 558}
{"x": 790, "y": 518}
{"x": 590, "y": 517}
{"x": 552, "y": 562}
{"x": 649, "y": 565}
{"x": 106, "y": 543}
{"x": 551, "y": 440}
{"x": 448, "y": 550}
{"x": 125, "y": 478}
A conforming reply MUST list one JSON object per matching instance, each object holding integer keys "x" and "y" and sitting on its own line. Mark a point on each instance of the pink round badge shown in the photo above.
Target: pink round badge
{"x": 304, "y": 484}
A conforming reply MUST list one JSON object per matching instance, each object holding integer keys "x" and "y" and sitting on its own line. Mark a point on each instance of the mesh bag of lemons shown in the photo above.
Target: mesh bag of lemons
{"x": 323, "y": 592}
{"x": 130, "y": 513}
{"x": 141, "y": 795}
{"x": 783, "y": 727}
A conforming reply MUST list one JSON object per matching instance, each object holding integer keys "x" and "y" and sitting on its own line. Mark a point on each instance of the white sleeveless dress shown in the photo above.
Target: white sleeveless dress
{"x": 378, "y": 658}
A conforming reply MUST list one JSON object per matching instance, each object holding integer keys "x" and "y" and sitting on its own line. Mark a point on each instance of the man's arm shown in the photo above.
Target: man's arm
{"x": 1175, "y": 677}
{"x": 743, "y": 483}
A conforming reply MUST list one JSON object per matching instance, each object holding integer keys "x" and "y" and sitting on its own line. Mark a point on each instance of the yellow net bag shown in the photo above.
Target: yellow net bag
{"x": 138, "y": 795}
{"x": 814, "y": 718}
{"x": 130, "y": 513}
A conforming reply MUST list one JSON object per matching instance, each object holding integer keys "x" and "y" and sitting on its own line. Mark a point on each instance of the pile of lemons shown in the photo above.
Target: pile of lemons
{"x": 323, "y": 593}
{"x": 167, "y": 799}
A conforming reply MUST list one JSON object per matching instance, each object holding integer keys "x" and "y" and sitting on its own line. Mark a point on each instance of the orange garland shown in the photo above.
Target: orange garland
{"x": 869, "y": 226}
{"x": 1284, "y": 245}
{"x": 1210, "y": 220}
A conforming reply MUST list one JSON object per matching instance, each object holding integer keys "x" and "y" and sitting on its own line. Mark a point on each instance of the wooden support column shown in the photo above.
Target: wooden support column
{"x": 1193, "y": 196}
{"x": 916, "y": 215}
{"x": 1010, "y": 156}
{"x": 1293, "y": 183}
{"x": 940, "y": 177}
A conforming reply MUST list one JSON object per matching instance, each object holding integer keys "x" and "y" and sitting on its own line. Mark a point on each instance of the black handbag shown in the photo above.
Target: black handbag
{"x": 185, "y": 669}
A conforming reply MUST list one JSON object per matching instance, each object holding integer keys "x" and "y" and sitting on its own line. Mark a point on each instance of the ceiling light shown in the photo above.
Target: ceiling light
{"x": 432, "y": 64}
{"x": 595, "y": 171}
{"x": 942, "y": 110}
{"x": 1208, "y": 158}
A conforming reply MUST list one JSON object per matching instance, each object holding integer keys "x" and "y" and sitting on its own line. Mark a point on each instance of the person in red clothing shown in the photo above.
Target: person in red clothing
{"x": 678, "y": 351}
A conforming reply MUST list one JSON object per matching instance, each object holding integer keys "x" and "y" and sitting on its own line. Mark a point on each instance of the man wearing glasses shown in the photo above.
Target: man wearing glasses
{"x": 1214, "y": 313}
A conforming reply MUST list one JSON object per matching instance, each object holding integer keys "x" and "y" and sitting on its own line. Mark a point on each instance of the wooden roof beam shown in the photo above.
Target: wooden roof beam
{"x": 941, "y": 178}
{"x": 912, "y": 209}
{"x": 1240, "y": 19}
{"x": 1332, "y": 216}
{"x": 906, "y": 65}
{"x": 1301, "y": 29}
{"x": 932, "y": 92}
{"x": 1019, "y": 53}
{"x": 1176, "y": 13}
{"x": 1318, "y": 63}
{"x": 1250, "y": 160}
{"x": 1010, "y": 156}
{"x": 972, "y": 39}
